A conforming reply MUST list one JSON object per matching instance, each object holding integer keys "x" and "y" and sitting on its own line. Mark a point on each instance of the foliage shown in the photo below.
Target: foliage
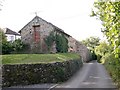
{"x": 60, "y": 41}
{"x": 13, "y": 47}
{"x": 38, "y": 58}
{"x": 49, "y": 40}
{"x": 2, "y": 38}
{"x": 102, "y": 49}
{"x": 7, "y": 47}
{"x": 113, "y": 67}
{"x": 91, "y": 43}
{"x": 18, "y": 45}
{"x": 109, "y": 13}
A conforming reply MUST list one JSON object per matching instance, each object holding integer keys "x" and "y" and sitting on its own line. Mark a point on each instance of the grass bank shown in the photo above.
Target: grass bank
{"x": 37, "y": 58}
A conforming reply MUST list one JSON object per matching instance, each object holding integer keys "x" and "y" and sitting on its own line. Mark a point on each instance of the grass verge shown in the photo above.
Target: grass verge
{"x": 37, "y": 58}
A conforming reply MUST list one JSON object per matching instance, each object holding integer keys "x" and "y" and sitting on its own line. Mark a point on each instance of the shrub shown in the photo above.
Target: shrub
{"x": 112, "y": 64}
{"x": 7, "y": 47}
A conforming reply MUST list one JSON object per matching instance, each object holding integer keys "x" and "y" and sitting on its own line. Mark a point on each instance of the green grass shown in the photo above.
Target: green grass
{"x": 37, "y": 58}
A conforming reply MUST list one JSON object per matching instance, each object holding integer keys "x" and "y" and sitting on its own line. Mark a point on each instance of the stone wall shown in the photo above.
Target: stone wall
{"x": 72, "y": 45}
{"x": 26, "y": 74}
{"x": 83, "y": 51}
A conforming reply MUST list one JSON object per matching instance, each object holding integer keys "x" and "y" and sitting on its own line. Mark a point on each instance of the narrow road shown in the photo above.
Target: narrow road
{"x": 92, "y": 75}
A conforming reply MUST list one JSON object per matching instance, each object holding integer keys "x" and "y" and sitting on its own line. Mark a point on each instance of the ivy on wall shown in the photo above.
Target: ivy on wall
{"x": 61, "y": 43}
{"x": 49, "y": 40}
{"x": 60, "y": 40}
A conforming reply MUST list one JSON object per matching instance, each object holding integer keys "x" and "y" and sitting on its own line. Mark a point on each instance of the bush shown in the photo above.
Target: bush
{"x": 14, "y": 47}
{"x": 7, "y": 47}
{"x": 19, "y": 46}
{"x": 112, "y": 64}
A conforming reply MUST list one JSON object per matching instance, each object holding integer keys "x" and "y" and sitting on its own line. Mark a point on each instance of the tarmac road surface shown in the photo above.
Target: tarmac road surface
{"x": 91, "y": 75}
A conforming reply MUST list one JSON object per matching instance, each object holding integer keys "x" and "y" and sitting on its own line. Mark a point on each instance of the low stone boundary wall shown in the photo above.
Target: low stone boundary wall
{"x": 26, "y": 74}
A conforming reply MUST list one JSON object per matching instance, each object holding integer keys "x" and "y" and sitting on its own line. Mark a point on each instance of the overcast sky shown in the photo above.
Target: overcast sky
{"x": 70, "y": 15}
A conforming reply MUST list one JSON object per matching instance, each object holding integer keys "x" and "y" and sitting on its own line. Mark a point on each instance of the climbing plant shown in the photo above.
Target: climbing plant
{"x": 49, "y": 40}
{"x": 61, "y": 43}
{"x": 60, "y": 40}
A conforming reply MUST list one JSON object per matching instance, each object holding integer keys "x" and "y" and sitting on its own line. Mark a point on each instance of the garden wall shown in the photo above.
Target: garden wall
{"x": 26, "y": 74}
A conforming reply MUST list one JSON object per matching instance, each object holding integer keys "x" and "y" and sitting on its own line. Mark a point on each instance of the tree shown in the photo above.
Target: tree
{"x": 102, "y": 50}
{"x": 109, "y": 13}
{"x": 2, "y": 39}
{"x": 5, "y": 46}
{"x": 91, "y": 43}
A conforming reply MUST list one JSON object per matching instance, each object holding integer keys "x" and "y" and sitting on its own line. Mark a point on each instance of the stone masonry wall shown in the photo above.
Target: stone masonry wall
{"x": 26, "y": 74}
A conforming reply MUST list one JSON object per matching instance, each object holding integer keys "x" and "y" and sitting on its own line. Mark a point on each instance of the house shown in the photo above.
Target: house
{"x": 11, "y": 35}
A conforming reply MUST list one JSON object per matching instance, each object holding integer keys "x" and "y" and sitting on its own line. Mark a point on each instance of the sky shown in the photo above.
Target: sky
{"x": 72, "y": 16}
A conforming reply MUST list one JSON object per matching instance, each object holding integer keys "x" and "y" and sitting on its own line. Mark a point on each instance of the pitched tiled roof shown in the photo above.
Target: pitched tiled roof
{"x": 9, "y": 31}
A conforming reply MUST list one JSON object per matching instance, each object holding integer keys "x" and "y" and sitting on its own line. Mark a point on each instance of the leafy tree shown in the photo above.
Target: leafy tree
{"x": 102, "y": 49}
{"x": 109, "y": 13}
{"x": 5, "y": 46}
{"x": 2, "y": 36}
{"x": 2, "y": 39}
{"x": 91, "y": 43}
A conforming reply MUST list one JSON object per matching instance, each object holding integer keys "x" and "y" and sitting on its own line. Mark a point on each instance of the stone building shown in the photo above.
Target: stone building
{"x": 35, "y": 32}
{"x": 72, "y": 45}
